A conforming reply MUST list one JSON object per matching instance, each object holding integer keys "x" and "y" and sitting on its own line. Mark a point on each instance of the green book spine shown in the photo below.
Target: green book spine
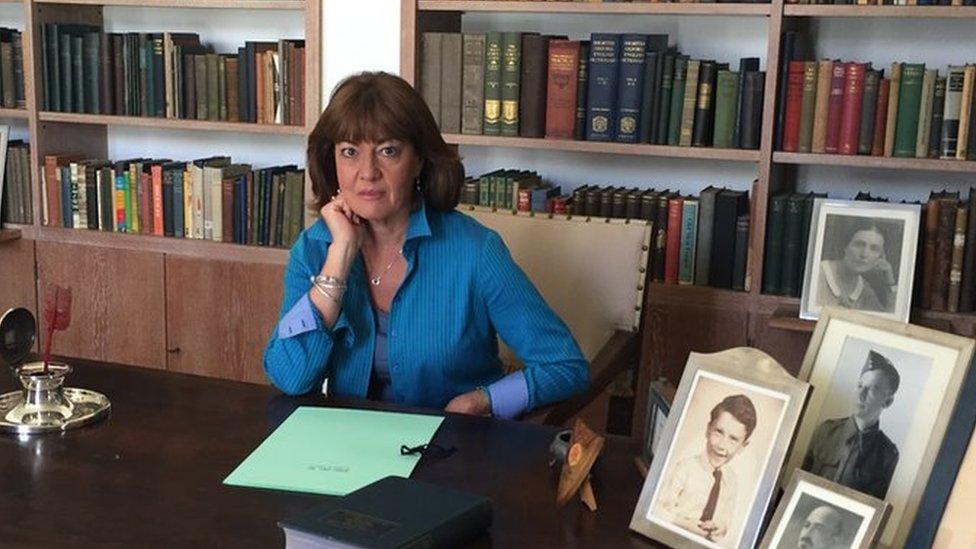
{"x": 127, "y": 190}
{"x": 430, "y": 72}
{"x": 222, "y": 87}
{"x": 808, "y": 105}
{"x": 677, "y": 99}
{"x": 689, "y": 239}
{"x": 792, "y": 233}
{"x": 664, "y": 97}
{"x": 909, "y": 99}
{"x": 868, "y": 108}
{"x": 511, "y": 71}
{"x": 213, "y": 87}
{"x": 200, "y": 65}
{"x": 493, "y": 83}
{"x": 91, "y": 72}
{"x": 726, "y": 95}
{"x": 688, "y": 104}
{"x": 772, "y": 265}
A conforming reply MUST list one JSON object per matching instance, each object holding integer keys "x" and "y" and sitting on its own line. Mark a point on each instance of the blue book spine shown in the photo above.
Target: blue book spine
{"x": 239, "y": 210}
{"x": 67, "y": 198}
{"x": 689, "y": 240}
{"x": 630, "y": 87}
{"x": 178, "y": 218}
{"x": 601, "y": 94}
{"x": 266, "y": 200}
{"x": 167, "y": 203}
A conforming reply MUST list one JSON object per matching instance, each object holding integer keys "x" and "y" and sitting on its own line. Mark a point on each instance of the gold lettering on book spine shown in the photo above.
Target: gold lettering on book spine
{"x": 492, "y": 111}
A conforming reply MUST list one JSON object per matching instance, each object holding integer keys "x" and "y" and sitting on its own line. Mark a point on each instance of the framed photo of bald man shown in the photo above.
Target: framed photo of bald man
{"x": 860, "y": 256}
{"x": 818, "y": 514}
{"x": 883, "y": 394}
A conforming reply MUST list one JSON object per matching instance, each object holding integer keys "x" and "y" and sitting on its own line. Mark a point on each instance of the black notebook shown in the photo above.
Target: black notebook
{"x": 391, "y": 512}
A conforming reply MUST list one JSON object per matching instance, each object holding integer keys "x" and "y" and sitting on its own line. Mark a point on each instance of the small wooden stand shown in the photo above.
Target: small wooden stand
{"x": 584, "y": 447}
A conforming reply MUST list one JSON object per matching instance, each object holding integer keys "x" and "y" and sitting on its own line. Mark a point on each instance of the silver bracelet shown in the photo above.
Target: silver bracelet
{"x": 327, "y": 285}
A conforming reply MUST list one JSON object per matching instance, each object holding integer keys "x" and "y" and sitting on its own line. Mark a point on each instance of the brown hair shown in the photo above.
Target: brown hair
{"x": 378, "y": 106}
{"x": 739, "y": 407}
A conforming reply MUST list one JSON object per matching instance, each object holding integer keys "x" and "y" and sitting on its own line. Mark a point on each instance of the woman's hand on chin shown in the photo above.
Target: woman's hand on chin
{"x": 473, "y": 403}
{"x": 345, "y": 226}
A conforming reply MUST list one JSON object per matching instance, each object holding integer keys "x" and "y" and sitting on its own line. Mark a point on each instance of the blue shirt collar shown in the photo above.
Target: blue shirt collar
{"x": 416, "y": 227}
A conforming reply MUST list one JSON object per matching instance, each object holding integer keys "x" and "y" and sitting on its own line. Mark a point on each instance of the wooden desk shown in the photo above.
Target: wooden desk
{"x": 150, "y": 475}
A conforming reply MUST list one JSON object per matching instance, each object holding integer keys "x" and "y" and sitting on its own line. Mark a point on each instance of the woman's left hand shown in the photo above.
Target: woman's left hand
{"x": 473, "y": 403}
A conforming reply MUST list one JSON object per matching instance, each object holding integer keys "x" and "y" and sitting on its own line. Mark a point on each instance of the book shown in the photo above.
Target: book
{"x": 582, "y": 90}
{"x": 868, "y": 108}
{"x": 808, "y": 106}
{"x": 386, "y": 514}
{"x": 473, "y": 84}
{"x": 965, "y": 111}
{"x": 775, "y": 227}
{"x": 704, "y": 122}
{"x": 894, "y": 91}
{"x": 925, "y": 114}
{"x": 703, "y": 248}
{"x": 835, "y": 108}
{"x": 850, "y": 118}
{"x": 958, "y": 251}
{"x": 561, "y": 93}
{"x": 630, "y": 88}
{"x": 452, "y": 56}
{"x": 689, "y": 104}
{"x": 880, "y": 118}
{"x": 677, "y": 99}
{"x": 510, "y": 82}
{"x": 740, "y": 254}
{"x": 729, "y": 205}
{"x": 533, "y": 83}
{"x": 689, "y": 239}
{"x": 601, "y": 95}
{"x": 967, "y": 299}
{"x": 951, "y": 110}
{"x": 493, "y": 83}
{"x": 726, "y": 88}
{"x": 746, "y": 65}
{"x": 825, "y": 70}
{"x": 794, "y": 106}
{"x": 752, "y": 107}
{"x": 672, "y": 257}
{"x": 909, "y": 101}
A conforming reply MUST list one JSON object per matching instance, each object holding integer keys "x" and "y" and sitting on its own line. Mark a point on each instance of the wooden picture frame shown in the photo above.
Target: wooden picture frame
{"x": 736, "y": 402}
{"x": 899, "y": 432}
{"x": 846, "y": 518}
{"x": 869, "y": 242}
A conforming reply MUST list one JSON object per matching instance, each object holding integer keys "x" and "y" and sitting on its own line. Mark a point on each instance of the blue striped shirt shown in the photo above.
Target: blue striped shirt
{"x": 461, "y": 289}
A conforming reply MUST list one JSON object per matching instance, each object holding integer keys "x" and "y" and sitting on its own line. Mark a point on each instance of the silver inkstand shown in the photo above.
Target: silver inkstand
{"x": 44, "y": 405}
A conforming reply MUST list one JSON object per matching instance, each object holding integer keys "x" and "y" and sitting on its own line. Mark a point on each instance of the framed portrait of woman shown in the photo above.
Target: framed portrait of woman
{"x": 883, "y": 395}
{"x": 720, "y": 452}
{"x": 860, "y": 256}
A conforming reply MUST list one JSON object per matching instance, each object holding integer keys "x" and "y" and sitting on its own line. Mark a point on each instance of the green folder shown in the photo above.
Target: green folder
{"x": 334, "y": 451}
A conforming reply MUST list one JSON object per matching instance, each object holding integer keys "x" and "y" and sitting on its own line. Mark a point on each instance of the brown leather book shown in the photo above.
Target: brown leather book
{"x": 835, "y": 107}
{"x": 925, "y": 115}
{"x": 227, "y": 209}
{"x": 794, "y": 106}
{"x": 892, "y": 115}
{"x": 532, "y": 85}
{"x": 231, "y": 87}
{"x": 880, "y": 118}
{"x": 965, "y": 112}
{"x": 945, "y": 235}
{"x": 561, "y": 88}
{"x": 850, "y": 118}
{"x": 928, "y": 250}
{"x": 958, "y": 252}
{"x": 824, "y": 80}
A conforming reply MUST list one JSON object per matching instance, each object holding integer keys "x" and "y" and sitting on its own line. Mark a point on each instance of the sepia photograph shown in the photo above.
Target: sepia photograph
{"x": 818, "y": 514}
{"x": 861, "y": 256}
{"x": 883, "y": 394}
{"x": 719, "y": 455}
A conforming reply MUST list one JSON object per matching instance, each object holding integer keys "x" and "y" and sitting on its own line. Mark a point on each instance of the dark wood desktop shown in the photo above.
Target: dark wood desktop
{"x": 150, "y": 474}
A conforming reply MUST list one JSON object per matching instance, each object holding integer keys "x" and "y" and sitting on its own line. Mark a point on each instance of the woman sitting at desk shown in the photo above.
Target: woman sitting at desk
{"x": 392, "y": 294}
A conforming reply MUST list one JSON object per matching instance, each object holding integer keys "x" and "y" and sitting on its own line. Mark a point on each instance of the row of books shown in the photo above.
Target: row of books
{"x": 12, "y": 69}
{"x": 787, "y": 233}
{"x": 18, "y": 206}
{"x": 628, "y": 88}
{"x": 947, "y": 254}
{"x": 840, "y": 107}
{"x": 170, "y": 75}
{"x": 208, "y": 198}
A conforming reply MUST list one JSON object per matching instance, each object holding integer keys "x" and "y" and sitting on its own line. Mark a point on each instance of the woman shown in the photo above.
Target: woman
{"x": 861, "y": 278}
{"x": 392, "y": 294}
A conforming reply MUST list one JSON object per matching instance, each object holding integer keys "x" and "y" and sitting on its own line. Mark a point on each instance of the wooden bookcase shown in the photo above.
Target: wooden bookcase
{"x": 678, "y": 319}
{"x": 148, "y": 300}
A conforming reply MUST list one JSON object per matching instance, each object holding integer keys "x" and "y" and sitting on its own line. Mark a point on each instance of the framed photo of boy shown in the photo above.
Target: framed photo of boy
{"x": 816, "y": 513}
{"x": 861, "y": 256}
{"x": 884, "y": 392}
{"x": 721, "y": 450}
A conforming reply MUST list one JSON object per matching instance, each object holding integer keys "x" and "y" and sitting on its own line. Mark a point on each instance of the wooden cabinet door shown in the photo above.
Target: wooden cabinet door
{"x": 17, "y": 286}
{"x": 220, "y": 315}
{"x": 117, "y": 312}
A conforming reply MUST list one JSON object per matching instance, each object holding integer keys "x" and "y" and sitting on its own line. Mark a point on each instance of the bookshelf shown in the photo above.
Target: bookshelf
{"x": 679, "y": 318}
{"x": 138, "y": 298}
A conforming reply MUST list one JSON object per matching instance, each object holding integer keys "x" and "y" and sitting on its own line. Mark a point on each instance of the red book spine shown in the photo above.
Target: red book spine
{"x": 561, "y": 88}
{"x": 672, "y": 249}
{"x": 157, "y": 202}
{"x": 145, "y": 204}
{"x": 794, "y": 107}
{"x": 880, "y": 118}
{"x": 524, "y": 200}
{"x": 850, "y": 119}
{"x": 53, "y": 190}
{"x": 835, "y": 108}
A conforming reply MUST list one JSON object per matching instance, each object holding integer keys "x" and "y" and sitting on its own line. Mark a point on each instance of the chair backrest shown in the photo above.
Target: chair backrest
{"x": 591, "y": 271}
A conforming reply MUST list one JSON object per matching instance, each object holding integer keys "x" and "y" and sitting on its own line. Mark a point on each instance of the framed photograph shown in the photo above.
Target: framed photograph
{"x": 816, "y": 513}
{"x": 659, "y": 399}
{"x": 883, "y": 395}
{"x": 861, "y": 256}
{"x": 721, "y": 450}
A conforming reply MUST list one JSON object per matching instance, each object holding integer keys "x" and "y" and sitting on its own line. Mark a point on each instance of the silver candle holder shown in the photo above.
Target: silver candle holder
{"x": 44, "y": 404}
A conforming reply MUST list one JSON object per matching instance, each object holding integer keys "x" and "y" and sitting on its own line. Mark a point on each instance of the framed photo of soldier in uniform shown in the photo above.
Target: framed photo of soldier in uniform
{"x": 884, "y": 392}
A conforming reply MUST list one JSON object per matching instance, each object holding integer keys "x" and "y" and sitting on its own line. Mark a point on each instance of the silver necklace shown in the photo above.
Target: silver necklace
{"x": 375, "y": 281}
